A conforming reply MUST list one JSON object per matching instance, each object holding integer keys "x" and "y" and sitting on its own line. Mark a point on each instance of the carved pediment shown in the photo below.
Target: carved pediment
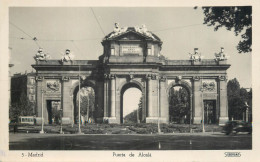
{"x": 130, "y": 35}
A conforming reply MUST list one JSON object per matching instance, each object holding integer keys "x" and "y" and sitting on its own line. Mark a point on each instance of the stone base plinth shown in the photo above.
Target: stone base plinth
{"x": 155, "y": 120}
{"x": 197, "y": 120}
{"x": 223, "y": 120}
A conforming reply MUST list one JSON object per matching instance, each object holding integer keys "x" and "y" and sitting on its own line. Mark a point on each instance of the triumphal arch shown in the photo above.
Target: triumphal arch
{"x": 132, "y": 58}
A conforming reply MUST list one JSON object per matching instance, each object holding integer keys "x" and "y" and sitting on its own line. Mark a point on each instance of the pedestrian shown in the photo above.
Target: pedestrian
{"x": 15, "y": 127}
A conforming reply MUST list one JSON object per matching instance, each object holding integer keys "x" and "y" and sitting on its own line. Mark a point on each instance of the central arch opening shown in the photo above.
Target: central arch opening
{"x": 179, "y": 105}
{"x": 87, "y": 104}
{"x": 131, "y": 104}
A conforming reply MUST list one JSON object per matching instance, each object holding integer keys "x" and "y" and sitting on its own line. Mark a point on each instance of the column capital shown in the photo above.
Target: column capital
{"x": 105, "y": 76}
{"x": 222, "y": 78}
{"x": 65, "y": 78}
{"x": 196, "y": 78}
{"x": 111, "y": 76}
{"x": 39, "y": 78}
{"x": 148, "y": 76}
{"x": 162, "y": 78}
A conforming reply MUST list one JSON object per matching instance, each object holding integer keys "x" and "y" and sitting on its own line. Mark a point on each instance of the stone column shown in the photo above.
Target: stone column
{"x": 105, "y": 97}
{"x": 164, "y": 105}
{"x": 39, "y": 95}
{"x": 223, "y": 100}
{"x": 112, "y": 118}
{"x": 152, "y": 81}
{"x": 66, "y": 99}
{"x": 197, "y": 100}
{"x": 149, "y": 96}
{"x": 191, "y": 108}
{"x": 99, "y": 97}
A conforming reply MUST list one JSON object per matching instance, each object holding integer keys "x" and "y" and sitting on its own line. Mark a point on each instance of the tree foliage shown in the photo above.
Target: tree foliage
{"x": 238, "y": 19}
{"x": 179, "y": 105}
{"x": 87, "y": 102}
{"x": 237, "y": 99}
{"x": 21, "y": 108}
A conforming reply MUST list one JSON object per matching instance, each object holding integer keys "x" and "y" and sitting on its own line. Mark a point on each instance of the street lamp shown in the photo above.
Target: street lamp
{"x": 43, "y": 91}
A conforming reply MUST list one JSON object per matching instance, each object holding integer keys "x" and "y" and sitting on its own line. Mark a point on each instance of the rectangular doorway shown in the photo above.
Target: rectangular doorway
{"x": 53, "y": 108}
{"x": 210, "y": 112}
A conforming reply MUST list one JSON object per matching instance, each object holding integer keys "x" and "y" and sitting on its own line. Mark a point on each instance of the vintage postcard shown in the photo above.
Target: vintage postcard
{"x": 159, "y": 81}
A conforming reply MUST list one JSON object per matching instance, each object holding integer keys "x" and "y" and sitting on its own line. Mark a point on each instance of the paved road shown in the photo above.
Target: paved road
{"x": 181, "y": 141}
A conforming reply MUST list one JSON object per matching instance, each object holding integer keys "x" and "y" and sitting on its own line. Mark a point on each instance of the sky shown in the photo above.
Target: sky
{"x": 77, "y": 28}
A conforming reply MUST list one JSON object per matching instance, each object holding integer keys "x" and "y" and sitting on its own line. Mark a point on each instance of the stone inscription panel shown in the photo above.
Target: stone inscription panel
{"x": 131, "y": 49}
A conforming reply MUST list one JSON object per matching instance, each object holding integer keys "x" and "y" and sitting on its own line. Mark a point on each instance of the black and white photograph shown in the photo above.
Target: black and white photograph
{"x": 129, "y": 83}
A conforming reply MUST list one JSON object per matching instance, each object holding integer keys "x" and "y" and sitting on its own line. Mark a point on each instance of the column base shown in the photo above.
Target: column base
{"x": 100, "y": 120}
{"x": 110, "y": 120}
{"x": 155, "y": 120}
{"x": 223, "y": 120}
{"x": 197, "y": 120}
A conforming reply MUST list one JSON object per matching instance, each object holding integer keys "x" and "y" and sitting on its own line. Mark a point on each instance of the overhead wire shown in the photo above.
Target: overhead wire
{"x": 98, "y": 22}
{"x": 177, "y": 27}
{"x": 90, "y": 39}
{"x": 33, "y": 38}
{"x": 76, "y": 46}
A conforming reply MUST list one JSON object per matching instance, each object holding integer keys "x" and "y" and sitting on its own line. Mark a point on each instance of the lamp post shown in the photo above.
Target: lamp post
{"x": 61, "y": 132}
{"x": 79, "y": 132}
{"x": 72, "y": 123}
{"x": 203, "y": 124}
{"x": 159, "y": 129}
{"x": 42, "y": 131}
{"x": 190, "y": 113}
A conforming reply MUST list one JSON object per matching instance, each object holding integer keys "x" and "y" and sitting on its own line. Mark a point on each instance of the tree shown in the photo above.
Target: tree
{"x": 140, "y": 108}
{"x": 21, "y": 108}
{"x": 237, "y": 99}
{"x": 178, "y": 105}
{"x": 87, "y": 102}
{"x": 238, "y": 19}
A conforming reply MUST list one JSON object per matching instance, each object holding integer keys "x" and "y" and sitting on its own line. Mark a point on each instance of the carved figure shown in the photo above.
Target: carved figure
{"x": 221, "y": 55}
{"x": 40, "y": 56}
{"x": 118, "y": 30}
{"x": 196, "y": 56}
{"x": 143, "y": 30}
{"x": 68, "y": 56}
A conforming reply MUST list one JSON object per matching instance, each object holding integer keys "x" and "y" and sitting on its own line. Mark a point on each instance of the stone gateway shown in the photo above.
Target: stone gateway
{"x": 132, "y": 58}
